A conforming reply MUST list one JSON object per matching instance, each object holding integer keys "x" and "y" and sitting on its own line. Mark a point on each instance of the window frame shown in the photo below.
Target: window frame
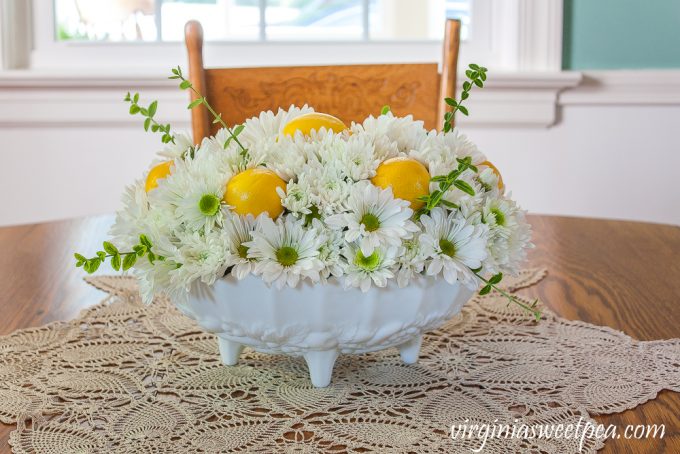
{"x": 506, "y": 35}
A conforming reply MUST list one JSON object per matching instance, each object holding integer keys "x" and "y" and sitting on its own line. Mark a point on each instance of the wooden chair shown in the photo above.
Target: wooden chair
{"x": 350, "y": 92}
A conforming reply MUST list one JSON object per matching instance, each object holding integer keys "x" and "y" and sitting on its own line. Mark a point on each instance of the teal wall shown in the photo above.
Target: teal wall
{"x": 621, "y": 34}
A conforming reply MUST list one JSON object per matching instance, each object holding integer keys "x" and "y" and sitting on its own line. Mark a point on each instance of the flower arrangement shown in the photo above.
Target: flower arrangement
{"x": 298, "y": 197}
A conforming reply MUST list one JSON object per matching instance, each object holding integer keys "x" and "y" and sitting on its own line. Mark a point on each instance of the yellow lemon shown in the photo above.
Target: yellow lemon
{"x": 496, "y": 171}
{"x": 408, "y": 178}
{"x": 314, "y": 120}
{"x": 158, "y": 172}
{"x": 253, "y": 191}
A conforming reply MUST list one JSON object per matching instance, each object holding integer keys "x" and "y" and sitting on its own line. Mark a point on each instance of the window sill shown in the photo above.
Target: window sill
{"x": 94, "y": 98}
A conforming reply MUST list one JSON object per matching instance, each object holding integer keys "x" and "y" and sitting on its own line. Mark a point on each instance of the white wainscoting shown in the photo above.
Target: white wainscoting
{"x": 608, "y": 147}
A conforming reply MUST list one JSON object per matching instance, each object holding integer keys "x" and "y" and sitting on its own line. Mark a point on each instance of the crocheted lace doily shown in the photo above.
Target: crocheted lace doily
{"x": 127, "y": 378}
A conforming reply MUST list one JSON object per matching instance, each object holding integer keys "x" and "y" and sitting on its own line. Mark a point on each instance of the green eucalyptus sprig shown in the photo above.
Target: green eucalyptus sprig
{"x": 492, "y": 284}
{"x": 126, "y": 260}
{"x": 435, "y": 198}
{"x": 149, "y": 121}
{"x": 476, "y": 76}
{"x": 200, "y": 99}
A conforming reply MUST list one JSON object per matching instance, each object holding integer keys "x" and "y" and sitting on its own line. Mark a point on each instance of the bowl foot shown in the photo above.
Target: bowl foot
{"x": 320, "y": 364}
{"x": 229, "y": 351}
{"x": 410, "y": 350}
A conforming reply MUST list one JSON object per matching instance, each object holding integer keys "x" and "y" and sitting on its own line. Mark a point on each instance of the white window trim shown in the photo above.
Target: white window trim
{"x": 508, "y": 35}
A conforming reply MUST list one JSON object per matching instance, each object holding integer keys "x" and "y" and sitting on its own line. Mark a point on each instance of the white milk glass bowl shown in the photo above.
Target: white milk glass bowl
{"x": 321, "y": 321}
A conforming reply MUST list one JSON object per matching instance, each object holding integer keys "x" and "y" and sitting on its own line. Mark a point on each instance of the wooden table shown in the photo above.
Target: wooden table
{"x": 625, "y": 275}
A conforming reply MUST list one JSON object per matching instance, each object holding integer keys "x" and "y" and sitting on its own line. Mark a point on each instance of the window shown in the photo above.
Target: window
{"x": 256, "y": 20}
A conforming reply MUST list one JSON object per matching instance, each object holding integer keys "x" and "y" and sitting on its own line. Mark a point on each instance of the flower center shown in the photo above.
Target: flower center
{"x": 242, "y": 251}
{"x": 371, "y": 222}
{"x": 287, "y": 256}
{"x": 447, "y": 247}
{"x": 367, "y": 263}
{"x": 500, "y": 217}
{"x": 209, "y": 204}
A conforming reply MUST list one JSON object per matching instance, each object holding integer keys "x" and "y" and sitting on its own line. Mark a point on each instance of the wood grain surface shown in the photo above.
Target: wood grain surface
{"x": 625, "y": 275}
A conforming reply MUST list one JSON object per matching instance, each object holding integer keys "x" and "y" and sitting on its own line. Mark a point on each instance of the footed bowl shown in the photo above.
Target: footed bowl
{"x": 321, "y": 321}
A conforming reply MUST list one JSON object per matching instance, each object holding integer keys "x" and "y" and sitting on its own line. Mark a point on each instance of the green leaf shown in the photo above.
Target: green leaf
{"x": 129, "y": 261}
{"x": 136, "y": 98}
{"x": 238, "y": 130}
{"x": 465, "y": 95}
{"x": 110, "y": 248}
{"x": 438, "y": 178}
{"x": 474, "y": 66}
{"x": 496, "y": 278}
{"x": 80, "y": 257}
{"x": 463, "y": 186}
{"x": 385, "y": 110}
{"x": 94, "y": 265}
{"x": 423, "y": 198}
{"x": 469, "y": 74}
{"x": 185, "y": 84}
{"x": 463, "y": 110}
{"x": 486, "y": 289}
{"x": 143, "y": 239}
{"x": 482, "y": 75}
{"x": 147, "y": 123}
{"x": 127, "y": 97}
{"x": 448, "y": 204}
{"x": 451, "y": 102}
{"x": 134, "y": 109}
{"x": 155, "y": 127}
{"x": 174, "y": 71}
{"x": 143, "y": 111}
{"x": 476, "y": 270}
{"x": 101, "y": 255}
{"x": 447, "y": 127}
{"x": 152, "y": 108}
{"x": 467, "y": 85}
{"x": 115, "y": 262}
{"x": 479, "y": 83}
{"x": 195, "y": 103}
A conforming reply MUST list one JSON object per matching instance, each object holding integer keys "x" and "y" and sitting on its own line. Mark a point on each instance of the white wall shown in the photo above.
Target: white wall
{"x": 600, "y": 159}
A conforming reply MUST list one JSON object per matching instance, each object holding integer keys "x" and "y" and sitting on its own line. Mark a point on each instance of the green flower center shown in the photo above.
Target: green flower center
{"x": 287, "y": 256}
{"x": 371, "y": 222}
{"x": 242, "y": 251}
{"x": 500, "y": 217}
{"x": 367, "y": 263}
{"x": 447, "y": 247}
{"x": 209, "y": 204}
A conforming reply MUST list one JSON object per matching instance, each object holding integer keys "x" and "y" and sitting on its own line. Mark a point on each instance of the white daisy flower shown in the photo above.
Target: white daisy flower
{"x": 411, "y": 261}
{"x": 375, "y": 218}
{"x": 285, "y": 251}
{"x": 238, "y": 230}
{"x": 364, "y": 270}
{"x": 509, "y": 235}
{"x": 195, "y": 190}
{"x": 453, "y": 245}
{"x": 488, "y": 180}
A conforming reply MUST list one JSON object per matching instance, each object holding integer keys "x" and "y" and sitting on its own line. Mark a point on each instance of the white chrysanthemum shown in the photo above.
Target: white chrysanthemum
{"x": 285, "y": 251}
{"x": 354, "y": 156}
{"x": 509, "y": 235}
{"x": 411, "y": 261}
{"x": 364, "y": 270}
{"x": 195, "y": 190}
{"x": 298, "y": 196}
{"x": 131, "y": 220}
{"x": 455, "y": 195}
{"x": 441, "y": 149}
{"x": 329, "y": 252}
{"x": 488, "y": 180}
{"x": 200, "y": 257}
{"x": 375, "y": 218}
{"x": 453, "y": 245}
{"x": 392, "y": 135}
{"x": 269, "y": 124}
{"x": 182, "y": 144}
{"x": 238, "y": 230}
{"x": 284, "y": 155}
{"x": 227, "y": 154}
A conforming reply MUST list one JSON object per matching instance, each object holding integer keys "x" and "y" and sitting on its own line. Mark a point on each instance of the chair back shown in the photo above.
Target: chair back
{"x": 349, "y": 92}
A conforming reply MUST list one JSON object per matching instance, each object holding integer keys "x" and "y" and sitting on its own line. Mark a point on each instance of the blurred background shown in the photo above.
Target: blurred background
{"x": 581, "y": 112}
